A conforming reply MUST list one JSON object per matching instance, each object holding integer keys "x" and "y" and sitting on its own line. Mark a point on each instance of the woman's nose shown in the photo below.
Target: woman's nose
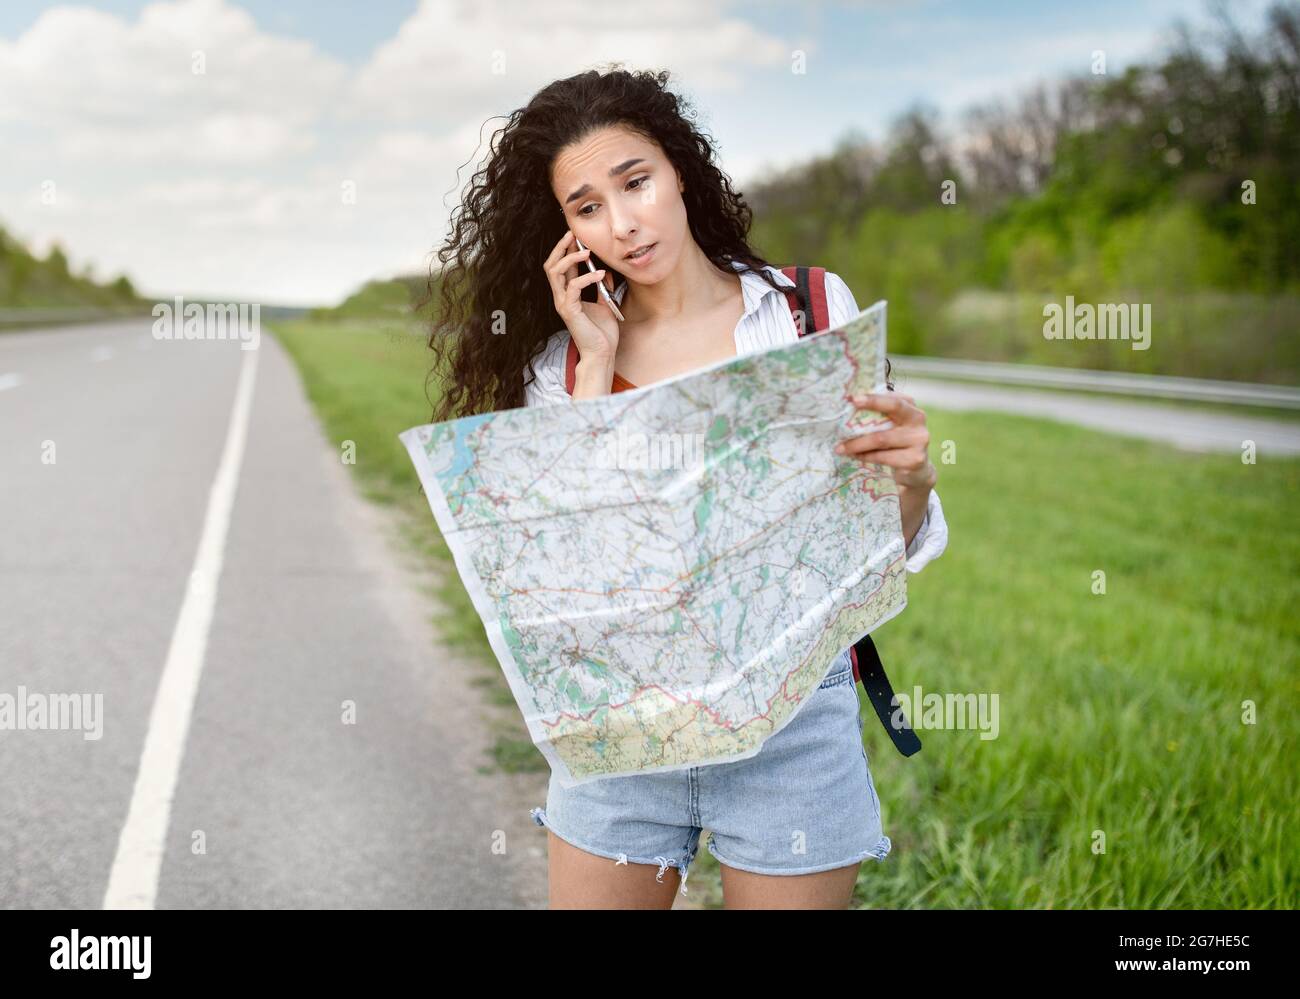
{"x": 622, "y": 226}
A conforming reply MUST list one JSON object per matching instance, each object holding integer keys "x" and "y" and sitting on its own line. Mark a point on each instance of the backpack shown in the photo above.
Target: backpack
{"x": 810, "y": 288}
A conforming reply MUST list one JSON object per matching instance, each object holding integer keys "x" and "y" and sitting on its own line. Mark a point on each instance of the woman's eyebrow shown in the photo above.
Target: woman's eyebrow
{"x": 613, "y": 172}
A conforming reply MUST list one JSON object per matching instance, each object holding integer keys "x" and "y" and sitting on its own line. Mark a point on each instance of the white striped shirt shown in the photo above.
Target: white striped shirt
{"x": 767, "y": 322}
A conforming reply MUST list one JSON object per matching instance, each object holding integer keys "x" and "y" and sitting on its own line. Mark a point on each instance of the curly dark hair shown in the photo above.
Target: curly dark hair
{"x": 508, "y": 223}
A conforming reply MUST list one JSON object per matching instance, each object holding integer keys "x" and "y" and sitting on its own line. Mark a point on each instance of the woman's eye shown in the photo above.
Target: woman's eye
{"x": 634, "y": 180}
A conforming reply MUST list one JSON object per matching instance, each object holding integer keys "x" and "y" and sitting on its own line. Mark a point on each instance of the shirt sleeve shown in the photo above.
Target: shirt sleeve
{"x": 547, "y": 386}
{"x": 931, "y": 537}
{"x": 839, "y": 300}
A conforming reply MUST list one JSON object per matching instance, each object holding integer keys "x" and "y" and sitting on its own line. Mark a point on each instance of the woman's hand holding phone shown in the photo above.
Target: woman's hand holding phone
{"x": 591, "y": 324}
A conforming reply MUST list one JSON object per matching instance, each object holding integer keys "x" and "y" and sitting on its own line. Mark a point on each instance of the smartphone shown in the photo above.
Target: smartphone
{"x": 609, "y": 299}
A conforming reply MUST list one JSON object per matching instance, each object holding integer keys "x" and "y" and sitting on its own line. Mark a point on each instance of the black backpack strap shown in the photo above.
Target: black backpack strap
{"x": 804, "y": 292}
{"x": 882, "y": 696}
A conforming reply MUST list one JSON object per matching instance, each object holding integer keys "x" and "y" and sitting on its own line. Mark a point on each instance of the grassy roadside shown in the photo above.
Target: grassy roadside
{"x": 366, "y": 381}
{"x": 1123, "y": 774}
{"x": 1120, "y": 713}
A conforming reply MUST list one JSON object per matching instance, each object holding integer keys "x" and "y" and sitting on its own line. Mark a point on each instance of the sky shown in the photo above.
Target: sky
{"x": 287, "y": 151}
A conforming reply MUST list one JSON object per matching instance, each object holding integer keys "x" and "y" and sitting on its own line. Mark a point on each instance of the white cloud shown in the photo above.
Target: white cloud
{"x": 483, "y": 51}
{"x": 231, "y": 181}
{"x": 106, "y": 87}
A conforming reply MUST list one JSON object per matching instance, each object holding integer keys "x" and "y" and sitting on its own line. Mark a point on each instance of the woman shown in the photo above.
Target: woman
{"x": 611, "y": 159}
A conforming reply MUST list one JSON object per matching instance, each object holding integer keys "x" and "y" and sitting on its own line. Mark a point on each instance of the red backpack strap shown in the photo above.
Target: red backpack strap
{"x": 571, "y": 366}
{"x": 810, "y": 283}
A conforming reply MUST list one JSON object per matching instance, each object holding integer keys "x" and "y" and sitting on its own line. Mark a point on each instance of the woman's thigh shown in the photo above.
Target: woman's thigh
{"x": 831, "y": 889}
{"x": 582, "y": 880}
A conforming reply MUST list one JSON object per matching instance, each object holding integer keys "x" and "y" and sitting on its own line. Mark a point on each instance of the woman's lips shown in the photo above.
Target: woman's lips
{"x": 645, "y": 257}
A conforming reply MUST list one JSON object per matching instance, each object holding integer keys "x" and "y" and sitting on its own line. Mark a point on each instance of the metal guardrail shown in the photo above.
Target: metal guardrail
{"x": 1083, "y": 379}
{"x": 66, "y": 314}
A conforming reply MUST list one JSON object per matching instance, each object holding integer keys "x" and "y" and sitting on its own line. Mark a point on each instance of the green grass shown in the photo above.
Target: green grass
{"x": 389, "y": 299}
{"x": 1120, "y": 714}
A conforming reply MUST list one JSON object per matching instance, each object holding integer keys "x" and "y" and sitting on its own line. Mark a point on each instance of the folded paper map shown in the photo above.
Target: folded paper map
{"x": 666, "y": 573}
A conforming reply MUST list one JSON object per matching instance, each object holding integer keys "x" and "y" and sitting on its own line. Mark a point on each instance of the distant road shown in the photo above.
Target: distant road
{"x": 17, "y": 319}
{"x": 1114, "y": 382}
{"x": 1182, "y": 427}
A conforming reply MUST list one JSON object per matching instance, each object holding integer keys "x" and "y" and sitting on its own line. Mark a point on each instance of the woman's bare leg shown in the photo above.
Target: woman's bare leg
{"x": 582, "y": 880}
{"x": 831, "y": 889}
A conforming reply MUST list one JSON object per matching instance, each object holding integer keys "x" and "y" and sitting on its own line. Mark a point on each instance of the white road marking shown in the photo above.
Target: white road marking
{"x": 133, "y": 881}
{"x": 10, "y": 380}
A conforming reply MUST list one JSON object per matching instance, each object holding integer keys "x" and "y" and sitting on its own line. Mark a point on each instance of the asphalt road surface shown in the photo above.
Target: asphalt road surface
{"x": 196, "y": 557}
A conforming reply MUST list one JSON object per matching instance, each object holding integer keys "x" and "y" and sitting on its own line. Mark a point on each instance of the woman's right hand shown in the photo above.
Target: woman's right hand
{"x": 592, "y": 325}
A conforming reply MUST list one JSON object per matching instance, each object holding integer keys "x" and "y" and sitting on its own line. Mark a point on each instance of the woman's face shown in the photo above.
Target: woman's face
{"x": 619, "y": 192}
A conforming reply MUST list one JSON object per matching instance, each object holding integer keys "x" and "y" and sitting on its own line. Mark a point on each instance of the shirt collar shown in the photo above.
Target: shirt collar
{"x": 752, "y": 286}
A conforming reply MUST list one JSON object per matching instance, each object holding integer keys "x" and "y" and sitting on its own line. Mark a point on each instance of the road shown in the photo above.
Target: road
{"x": 197, "y": 556}
{"x": 1185, "y": 427}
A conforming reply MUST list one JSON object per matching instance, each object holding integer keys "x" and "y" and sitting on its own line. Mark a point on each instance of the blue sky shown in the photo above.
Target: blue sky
{"x": 228, "y": 184}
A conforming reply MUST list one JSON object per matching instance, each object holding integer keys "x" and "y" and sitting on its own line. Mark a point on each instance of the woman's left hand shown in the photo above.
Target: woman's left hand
{"x": 904, "y": 447}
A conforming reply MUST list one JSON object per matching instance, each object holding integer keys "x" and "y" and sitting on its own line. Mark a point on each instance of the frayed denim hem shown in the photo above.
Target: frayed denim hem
{"x": 540, "y": 817}
{"x": 879, "y": 852}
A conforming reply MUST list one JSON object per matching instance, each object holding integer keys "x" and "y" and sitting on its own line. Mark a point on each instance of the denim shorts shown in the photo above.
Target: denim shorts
{"x": 805, "y": 802}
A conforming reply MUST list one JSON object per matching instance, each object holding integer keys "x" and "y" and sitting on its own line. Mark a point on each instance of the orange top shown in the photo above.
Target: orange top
{"x": 619, "y": 383}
